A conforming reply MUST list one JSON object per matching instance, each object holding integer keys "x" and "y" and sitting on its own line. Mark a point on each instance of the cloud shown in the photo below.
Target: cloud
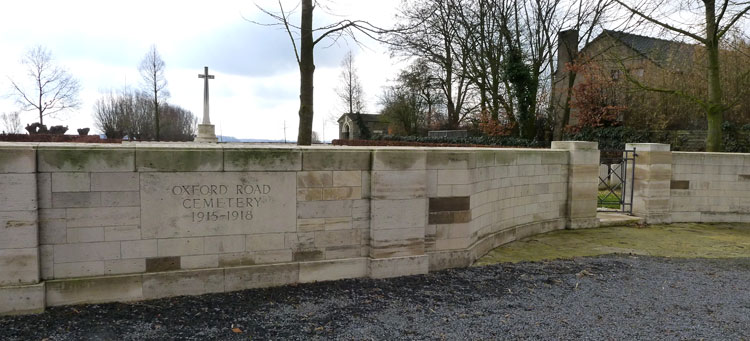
{"x": 256, "y": 90}
{"x": 248, "y": 49}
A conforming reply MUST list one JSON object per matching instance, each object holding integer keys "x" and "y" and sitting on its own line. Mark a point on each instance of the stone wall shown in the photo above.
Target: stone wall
{"x": 103, "y": 223}
{"x": 690, "y": 187}
{"x": 710, "y": 187}
{"x": 481, "y": 199}
{"x": 20, "y": 288}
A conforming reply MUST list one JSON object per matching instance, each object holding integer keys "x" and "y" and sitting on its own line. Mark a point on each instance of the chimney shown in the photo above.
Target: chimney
{"x": 567, "y": 48}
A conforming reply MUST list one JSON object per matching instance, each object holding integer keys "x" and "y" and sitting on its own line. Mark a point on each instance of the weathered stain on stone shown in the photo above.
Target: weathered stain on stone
{"x": 80, "y": 159}
{"x": 401, "y": 160}
{"x": 180, "y": 160}
{"x": 450, "y": 217}
{"x": 308, "y": 255}
{"x": 450, "y": 204}
{"x": 679, "y": 184}
{"x": 261, "y": 158}
{"x": 162, "y": 264}
{"x": 18, "y": 223}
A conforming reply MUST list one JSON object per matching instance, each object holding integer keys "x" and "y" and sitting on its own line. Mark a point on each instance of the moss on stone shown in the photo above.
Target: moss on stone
{"x": 554, "y": 157}
{"x": 336, "y": 160}
{"x": 180, "y": 160}
{"x": 17, "y": 160}
{"x": 686, "y": 240}
{"x": 451, "y": 160}
{"x": 505, "y": 157}
{"x": 84, "y": 159}
{"x": 485, "y": 158}
{"x": 400, "y": 160}
{"x": 257, "y": 159}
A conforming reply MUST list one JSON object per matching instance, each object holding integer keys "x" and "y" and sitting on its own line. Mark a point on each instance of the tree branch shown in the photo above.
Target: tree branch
{"x": 662, "y": 24}
{"x": 642, "y": 86}
{"x": 289, "y": 32}
{"x": 731, "y": 21}
{"x": 20, "y": 92}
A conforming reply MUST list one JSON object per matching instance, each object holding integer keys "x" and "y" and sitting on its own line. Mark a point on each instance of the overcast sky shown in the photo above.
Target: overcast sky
{"x": 257, "y": 80}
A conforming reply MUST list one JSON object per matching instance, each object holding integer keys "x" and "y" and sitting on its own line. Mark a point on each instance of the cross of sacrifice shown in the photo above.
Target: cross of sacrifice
{"x": 206, "y": 76}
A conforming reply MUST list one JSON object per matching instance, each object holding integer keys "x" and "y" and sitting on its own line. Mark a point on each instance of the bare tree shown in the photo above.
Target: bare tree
{"x": 495, "y": 55}
{"x": 719, "y": 17}
{"x": 402, "y": 109}
{"x": 350, "y": 90}
{"x": 584, "y": 17}
{"x": 480, "y": 24}
{"x": 428, "y": 29}
{"x": 421, "y": 80}
{"x": 316, "y": 138}
{"x": 51, "y": 90}
{"x": 412, "y": 104}
{"x": 11, "y": 122}
{"x": 304, "y": 52}
{"x": 154, "y": 82}
{"x": 129, "y": 113}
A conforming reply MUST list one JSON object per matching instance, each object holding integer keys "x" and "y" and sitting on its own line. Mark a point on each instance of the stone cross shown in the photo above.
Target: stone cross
{"x": 206, "y": 76}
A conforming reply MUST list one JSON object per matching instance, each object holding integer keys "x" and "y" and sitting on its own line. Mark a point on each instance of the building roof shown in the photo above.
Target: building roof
{"x": 660, "y": 51}
{"x": 365, "y": 117}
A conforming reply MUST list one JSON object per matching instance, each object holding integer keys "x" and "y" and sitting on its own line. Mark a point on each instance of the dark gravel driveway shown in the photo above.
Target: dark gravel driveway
{"x": 607, "y": 297}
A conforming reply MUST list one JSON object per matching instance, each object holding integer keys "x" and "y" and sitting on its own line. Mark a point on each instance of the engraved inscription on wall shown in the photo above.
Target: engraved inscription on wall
{"x": 206, "y": 204}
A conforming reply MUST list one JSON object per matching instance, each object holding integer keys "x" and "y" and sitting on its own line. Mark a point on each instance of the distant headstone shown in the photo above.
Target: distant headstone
{"x": 206, "y": 130}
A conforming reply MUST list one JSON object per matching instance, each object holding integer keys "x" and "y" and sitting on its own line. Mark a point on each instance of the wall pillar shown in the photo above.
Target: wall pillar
{"x": 651, "y": 187}
{"x": 398, "y": 213}
{"x": 20, "y": 290}
{"x": 583, "y": 182}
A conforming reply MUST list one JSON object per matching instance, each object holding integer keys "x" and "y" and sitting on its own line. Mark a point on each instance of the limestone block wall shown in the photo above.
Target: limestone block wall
{"x": 20, "y": 290}
{"x": 101, "y": 223}
{"x": 690, "y": 187}
{"x": 481, "y": 199}
{"x": 151, "y": 212}
{"x": 653, "y": 169}
{"x": 710, "y": 187}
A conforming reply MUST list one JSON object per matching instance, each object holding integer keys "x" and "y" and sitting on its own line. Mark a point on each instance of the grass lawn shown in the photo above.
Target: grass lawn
{"x": 608, "y": 200}
{"x": 686, "y": 240}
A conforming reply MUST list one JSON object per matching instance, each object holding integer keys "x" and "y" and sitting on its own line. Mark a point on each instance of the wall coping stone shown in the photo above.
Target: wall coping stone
{"x": 648, "y": 147}
{"x": 575, "y": 145}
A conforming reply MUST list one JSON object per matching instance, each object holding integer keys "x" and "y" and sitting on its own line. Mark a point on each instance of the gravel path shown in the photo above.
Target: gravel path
{"x": 608, "y": 297}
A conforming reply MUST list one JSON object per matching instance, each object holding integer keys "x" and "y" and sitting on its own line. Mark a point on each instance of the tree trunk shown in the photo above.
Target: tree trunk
{"x": 41, "y": 112}
{"x": 715, "y": 111}
{"x": 307, "y": 71}
{"x": 156, "y": 113}
{"x": 566, "y": 110}
{"x": 715, "y": 108}
{"x": 530, "y": 126}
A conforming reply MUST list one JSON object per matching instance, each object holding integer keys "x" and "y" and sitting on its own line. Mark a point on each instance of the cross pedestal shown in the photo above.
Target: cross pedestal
{"x": 206, "y": 134}
{"x": 206, "y": 130}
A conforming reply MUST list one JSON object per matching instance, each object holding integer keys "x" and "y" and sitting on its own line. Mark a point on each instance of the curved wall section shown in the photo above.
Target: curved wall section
{"x": 100, "y": 223}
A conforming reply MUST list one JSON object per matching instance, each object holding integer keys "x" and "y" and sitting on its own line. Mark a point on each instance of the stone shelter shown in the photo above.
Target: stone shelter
{"x": 350, "y": 129}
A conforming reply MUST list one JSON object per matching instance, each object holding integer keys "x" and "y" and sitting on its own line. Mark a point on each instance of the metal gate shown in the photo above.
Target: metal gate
{"x": 616, "y": 174}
